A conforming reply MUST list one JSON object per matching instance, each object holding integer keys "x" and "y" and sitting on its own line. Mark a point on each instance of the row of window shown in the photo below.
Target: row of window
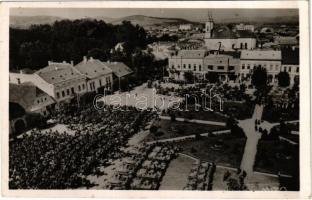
{"x": 70, "y": 91}
{"x": 248, "y": 66}
{"x": 189, "y": 67}
{"x": 41, "y": 100}
{"x": 288, "y": 69}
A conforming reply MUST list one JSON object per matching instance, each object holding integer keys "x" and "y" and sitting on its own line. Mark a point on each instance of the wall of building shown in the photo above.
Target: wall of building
{"x": 96, "y": 83}
{"x": 63, "y": 90}
{"x": 273, "y": 67}
{"x": 18, "y": 78}
{"x": 185, "y": 64}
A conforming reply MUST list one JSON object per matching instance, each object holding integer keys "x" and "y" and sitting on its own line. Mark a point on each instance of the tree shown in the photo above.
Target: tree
{"x": 283, "y": 79}
{"x": 153, "y": 129}
{"x": 98, "y": 53}
{"x": 212, "y": 77}
{"x": 189, "y": 76}
{"x": 259, "y": 77}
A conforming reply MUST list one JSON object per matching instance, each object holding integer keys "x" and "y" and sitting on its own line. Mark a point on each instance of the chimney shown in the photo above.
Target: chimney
{"x": 56, "y": 68}
{"x": 91, "y": 59}
{"x": 293, "y": 48}
{"x": 49, "y": 62}
{"x": 108, "y": 61}
{"x": 85, "y": 59}
{"x": 72, "y": 63}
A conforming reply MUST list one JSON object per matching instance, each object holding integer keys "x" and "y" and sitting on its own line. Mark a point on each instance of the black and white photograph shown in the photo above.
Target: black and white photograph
{"x": 193, "y": 99}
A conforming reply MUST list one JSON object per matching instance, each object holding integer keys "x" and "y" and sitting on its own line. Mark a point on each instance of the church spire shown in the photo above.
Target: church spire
{"x": 209, "y": 26}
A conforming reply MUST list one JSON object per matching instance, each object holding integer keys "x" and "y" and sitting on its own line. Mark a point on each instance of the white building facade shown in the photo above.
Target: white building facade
{"x": 268, "y": 59}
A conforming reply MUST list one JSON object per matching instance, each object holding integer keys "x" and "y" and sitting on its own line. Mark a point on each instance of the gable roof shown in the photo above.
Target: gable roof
{"x": 25, "y": 94}
{"x": 92, "y": 68}
{"x": 198, "y": 53}
{"x": 261, "y": 55}
{"x": 58, "y": 72}
{"x": 118, "y": 68}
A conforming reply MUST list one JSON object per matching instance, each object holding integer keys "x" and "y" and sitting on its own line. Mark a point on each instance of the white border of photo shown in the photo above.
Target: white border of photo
{"x": 305, "y": 131}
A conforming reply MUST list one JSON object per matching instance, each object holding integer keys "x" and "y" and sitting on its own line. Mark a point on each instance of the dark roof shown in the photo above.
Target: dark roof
{"x": 118, "y": 68}
{"x": 235, "y": 54}
{"x": 24, "y": 94}
{"x": 244, "y": 34}
{"x": 290, "y": 56}
{"x": 224, "y": 32}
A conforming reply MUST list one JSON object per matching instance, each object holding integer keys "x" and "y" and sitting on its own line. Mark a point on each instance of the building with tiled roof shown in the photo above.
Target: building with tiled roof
{"x": 223, "y": 38}
{"x": 201, "y": 62}
{"x": 271, "y": 60}
{"x": 61, "y": 80}
{"x": 119, "y": 69}
{"x": 121, "y": 72}
{"x": 30, "y": 97}
{"x": 98, "y": 75}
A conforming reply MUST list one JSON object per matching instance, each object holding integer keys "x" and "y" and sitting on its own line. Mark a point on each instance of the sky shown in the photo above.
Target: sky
{"x": 198, "y": 15}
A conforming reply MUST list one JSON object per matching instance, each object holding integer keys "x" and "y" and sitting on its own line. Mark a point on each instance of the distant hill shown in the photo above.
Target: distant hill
{"x": 26, "y": 21}
{"x": 145, "y": 21}
{"x": 150, "y": 21}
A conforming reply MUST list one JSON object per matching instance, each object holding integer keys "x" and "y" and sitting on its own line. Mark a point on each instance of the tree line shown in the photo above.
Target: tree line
{"x": 70, "y": 40}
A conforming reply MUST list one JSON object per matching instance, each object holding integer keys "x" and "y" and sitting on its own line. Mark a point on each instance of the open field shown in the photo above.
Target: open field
{"x": 171, "y": 129}
{"x": 222, "y": 149}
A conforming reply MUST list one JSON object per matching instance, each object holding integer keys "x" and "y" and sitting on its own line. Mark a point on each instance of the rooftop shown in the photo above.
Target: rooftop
{"x": 261, "y": 55}
{"x": 92, "y": 68}
{"x": 199, "y": 53}
{"x": 118, "y": 68}
{"x": 58, "y": 72}
{"x": 24, "y": 94}
{"x": 224, "y": 32}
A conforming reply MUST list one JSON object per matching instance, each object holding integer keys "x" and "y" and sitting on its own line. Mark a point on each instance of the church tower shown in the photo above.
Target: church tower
{"x": 209, "y": 26}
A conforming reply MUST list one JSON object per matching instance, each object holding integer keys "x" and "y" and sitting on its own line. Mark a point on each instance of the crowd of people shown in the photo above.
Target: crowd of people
{"x": 54, "y": 160}
{"x": 144, "y": 167}
{"x": 201, "y": 176}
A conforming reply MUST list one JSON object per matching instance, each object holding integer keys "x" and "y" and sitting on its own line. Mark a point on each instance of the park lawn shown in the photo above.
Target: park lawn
{"x": 271, "y": 157}
{"x": 172, "y": 129}
{"x": 225, "y": 150}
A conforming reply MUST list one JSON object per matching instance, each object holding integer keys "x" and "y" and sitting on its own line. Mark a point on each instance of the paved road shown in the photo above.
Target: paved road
{"x": 195, "y": 121}
{"x": 253, "y": 137}
{"x": 188, "y": 136}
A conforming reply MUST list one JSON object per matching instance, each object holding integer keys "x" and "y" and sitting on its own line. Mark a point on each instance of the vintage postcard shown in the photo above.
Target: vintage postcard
{"x": 155, "y": 99}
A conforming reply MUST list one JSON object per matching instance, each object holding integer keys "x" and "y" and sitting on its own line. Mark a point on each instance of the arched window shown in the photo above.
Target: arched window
{"x": 246, "y": 45}
{"x": 241, "y": 45}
